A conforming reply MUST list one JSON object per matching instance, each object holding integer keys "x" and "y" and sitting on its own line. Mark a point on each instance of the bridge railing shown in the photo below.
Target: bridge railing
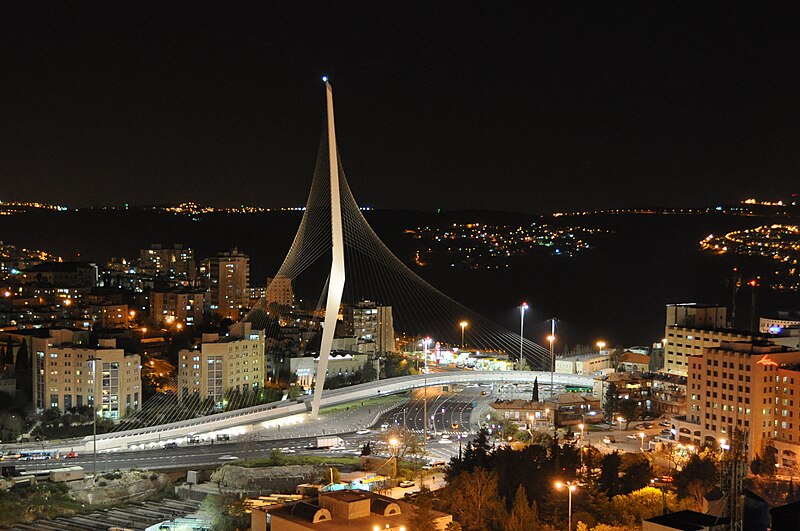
{"x": 220, "y": 422}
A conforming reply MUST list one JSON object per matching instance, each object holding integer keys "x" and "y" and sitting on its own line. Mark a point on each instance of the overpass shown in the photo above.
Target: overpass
{"x": 254, "y": 418}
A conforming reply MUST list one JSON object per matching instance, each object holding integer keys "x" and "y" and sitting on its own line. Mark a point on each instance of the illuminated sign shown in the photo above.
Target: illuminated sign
{"x": 766, "y": 361}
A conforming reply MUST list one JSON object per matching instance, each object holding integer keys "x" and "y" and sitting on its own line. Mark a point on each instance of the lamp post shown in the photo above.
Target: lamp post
{"x": 571, "y": 487}
{"x": 94, "y": 361}
{"x": 522, "y": 308}
{"x": 551, "y": 338}
{"x": 425, "y": 343}
{"x": 641, "y": 437}
{"x": 463, "y": 325}
{"x": 581, "y": 427}
{"x": 620, "y": 420}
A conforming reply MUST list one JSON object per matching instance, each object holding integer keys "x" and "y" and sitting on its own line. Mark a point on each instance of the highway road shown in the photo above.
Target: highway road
{"x": 255, "y": 418}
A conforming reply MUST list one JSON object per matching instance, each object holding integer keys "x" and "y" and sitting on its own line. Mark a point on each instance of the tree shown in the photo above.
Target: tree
{"x": 696, "y": 478}
{"x": 522, "y": 517}
{"x": 636, "y": 475}
{"x": 453, "y": 526}
{"x": 24, "y": 372}
{"x": 474, "y": 500}
{"x": 423, "y": 519}
{"x": 770, "y": 460}
{"x": 535, "y": 396}
{"x": 331, "y": 476}
{"x": 408, "y": 443}
{"x": 609, "y": 475}
{"x": 8, "y": 354}
{"x": 477, "y": 454}
{"x": 630, "y": 410}
{"x": 610, "y": 407}
{"x": 224, "y": 512}
{"x": 366, "y": 449}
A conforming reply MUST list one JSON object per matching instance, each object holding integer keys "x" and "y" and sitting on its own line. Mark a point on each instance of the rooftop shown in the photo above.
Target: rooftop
{"x": 687, "y": 520}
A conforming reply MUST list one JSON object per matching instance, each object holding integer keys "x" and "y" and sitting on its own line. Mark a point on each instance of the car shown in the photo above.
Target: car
{"x": 172, "y": 444}
{"x": 338, "y": 447}
{"x": 665, "y": 424}
{"x": 666, "y": 432}
{"x": 647, "y": 425}
{"x": 363, "y": 432}
{"x": 445, "y": 441}
{"x": 71, "y": 455}
{"x": 384, "y": 426}
{"x": 445, "y": 436}
{"x": 228, "y": 458}
{"x": 608, "y": 440}
{"x": 455, "y": 425}
{"x": 406, "y": 484}
{"x": 631, "y": 436}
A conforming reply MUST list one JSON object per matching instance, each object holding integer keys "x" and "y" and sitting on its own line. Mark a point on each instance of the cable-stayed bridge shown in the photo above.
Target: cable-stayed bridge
{"x": 361, "y": 267}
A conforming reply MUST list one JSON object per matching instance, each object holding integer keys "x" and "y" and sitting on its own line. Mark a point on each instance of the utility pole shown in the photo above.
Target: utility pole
{"x": 732, "y": 473}
{"x": 94, "y": 361}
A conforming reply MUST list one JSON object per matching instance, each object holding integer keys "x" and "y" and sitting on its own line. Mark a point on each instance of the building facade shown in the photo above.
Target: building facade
{"x": 177, "y": 305}
{"x": 69, "y": 374}
{"x": 218, "y": 365}
{"x": 228, "y": 282}
{"x": 279, "y": 291}
{"x": 372, "y": 322}
{"x": 690, "y": 328}
{"x": 176, "y": 261}
{"x": 588, "y": 364}
{"x": 747, "y": 385}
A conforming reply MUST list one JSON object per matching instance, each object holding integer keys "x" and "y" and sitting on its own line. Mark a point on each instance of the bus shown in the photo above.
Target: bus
{"x": 577, "y": 389}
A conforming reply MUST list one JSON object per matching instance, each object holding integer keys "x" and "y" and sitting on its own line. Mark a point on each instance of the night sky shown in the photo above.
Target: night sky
{"x": 439, "y": 105}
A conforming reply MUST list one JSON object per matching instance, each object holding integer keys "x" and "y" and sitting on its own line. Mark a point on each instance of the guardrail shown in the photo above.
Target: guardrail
{"x": 244, "y": 419}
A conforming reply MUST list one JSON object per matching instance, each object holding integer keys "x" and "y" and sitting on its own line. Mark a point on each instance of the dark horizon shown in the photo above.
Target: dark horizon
{"x": 545, "y": 109}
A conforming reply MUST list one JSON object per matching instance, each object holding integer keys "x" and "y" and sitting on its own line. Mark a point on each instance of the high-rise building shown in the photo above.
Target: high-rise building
{"x": 372, "y": 322}
{"x": 177, "y": 305}
{"x": 65, "y": 375}
{"x": 746, "y": 385}
{"x": 279, "y": 291}
{"x": 693, "y": 327}
{"x": 228, "y": 282}
{"x": 235, "y": 362}
{"x": 175, "y": 261}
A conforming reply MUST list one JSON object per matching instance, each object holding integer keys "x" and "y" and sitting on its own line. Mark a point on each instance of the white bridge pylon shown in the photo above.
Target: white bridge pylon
{"x": 337, "y": 275}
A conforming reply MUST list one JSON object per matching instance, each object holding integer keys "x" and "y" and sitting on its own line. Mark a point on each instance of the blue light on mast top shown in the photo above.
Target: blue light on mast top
{"x": 325, "y": 79}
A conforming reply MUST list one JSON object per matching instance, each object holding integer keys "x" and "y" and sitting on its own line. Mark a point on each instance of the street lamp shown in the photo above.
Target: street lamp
{"x": 601, "y": 345}
{"x": 522, "y": 308}
{"x": 94, "y": 361}
{"x": 551, "y": 338}
{"x": 571, "y": 487}
{"x": 620, "y": 420}
{"x": 463, "y": 325}
{"x": 581, "y": 426}
{"x": 641, "y": 436}
{"x": 425, "y": 343}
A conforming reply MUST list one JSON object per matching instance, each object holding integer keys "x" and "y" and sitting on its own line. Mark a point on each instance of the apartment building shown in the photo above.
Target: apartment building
{"x": 69, "y": 373}
{"x": 690, "y": 328}
{"x": 235, "y": 362}
{"x": 227, "y": 276}
{"x": 749, "y": 385}
{"x": 177, "y": 305}
{"x": 174, "y": 261}
{"x": 372, "y": 322}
